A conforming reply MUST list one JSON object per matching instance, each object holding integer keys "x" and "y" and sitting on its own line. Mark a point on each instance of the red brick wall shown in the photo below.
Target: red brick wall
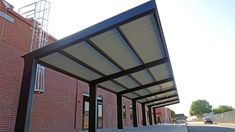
{"x": 53, "y": 110}
{"x": 164, "y": 114}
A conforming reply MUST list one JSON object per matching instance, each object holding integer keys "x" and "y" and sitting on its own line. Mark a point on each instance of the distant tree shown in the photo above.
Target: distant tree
{"x": 199, "y": 107}
{"x": 173, "y": 114}
{"x": 222, "y": 109}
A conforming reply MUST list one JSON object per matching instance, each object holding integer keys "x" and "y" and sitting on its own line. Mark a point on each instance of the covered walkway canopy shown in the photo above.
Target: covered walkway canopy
{"x": 126, "y": 55}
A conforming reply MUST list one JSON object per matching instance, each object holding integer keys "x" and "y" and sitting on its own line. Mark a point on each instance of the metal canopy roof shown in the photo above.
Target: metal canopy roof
{"x": 125, "y": 54}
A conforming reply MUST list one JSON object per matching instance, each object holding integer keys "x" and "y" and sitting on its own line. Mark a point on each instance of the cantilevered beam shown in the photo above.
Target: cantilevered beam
{"x": 165, "y": 105}
{"x": 159, "y": 99}
{"x": 131, "y": 70}
{"x": 169, "y": 101}
{"x": 157, "y": 93}
{"x": 146, "y": 86}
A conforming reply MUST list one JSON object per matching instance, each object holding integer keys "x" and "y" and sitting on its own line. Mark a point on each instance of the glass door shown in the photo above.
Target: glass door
{"x": 85, "y": 113}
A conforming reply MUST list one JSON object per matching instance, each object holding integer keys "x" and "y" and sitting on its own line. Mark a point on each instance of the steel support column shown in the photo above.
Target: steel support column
{"x": 143, "y": 115}
{"x": 135, "y": 124}
{"x": 26, "y": 96}
{"x": 150, "y": 116}
{"x": 92, "y": 108}
{"x": 119, "y": 111}
{"x": 154, "y": 116}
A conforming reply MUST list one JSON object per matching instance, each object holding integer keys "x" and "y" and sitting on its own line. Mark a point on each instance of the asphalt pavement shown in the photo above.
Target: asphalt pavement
{"x": 208, "y": 128}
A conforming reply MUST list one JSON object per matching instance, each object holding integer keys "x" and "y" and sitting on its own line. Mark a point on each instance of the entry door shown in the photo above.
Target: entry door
{"x": 86, "y": 112}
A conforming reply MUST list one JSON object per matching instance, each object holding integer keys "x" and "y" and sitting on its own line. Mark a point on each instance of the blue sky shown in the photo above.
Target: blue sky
{"x": 199, "y": 35}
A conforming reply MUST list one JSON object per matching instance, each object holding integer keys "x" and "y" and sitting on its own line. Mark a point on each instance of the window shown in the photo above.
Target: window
{"x": 85, "y": 112}
{"x": 131, "y": 115}
{"x": 85, "y": 121}
{"x": 100, "y": 113}
{"x": 124, "y": 111}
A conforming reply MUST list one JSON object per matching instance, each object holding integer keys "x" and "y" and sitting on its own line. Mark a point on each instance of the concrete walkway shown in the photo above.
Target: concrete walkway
{"x": 158, "y": 128}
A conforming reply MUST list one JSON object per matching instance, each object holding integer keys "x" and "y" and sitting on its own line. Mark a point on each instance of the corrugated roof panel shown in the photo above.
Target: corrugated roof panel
{"x": 154, "y": 89}
{"x": 164, "y": 100}
{"x": 142, "y": 92}
{"x": 114, "y": 45}
{"x": 166, "y": 103}
{"x": 62, "y": 62}
{"x": 87, "y": 54}
{"x": 149, "y": 98}
{"x": 167, "y": 85}
{"x": 143, "y": 77}
{"x": 127, "y": 81}
{"x": 161, "y": 72}
{"x": 144, "y": 37}
{"x": 112, "y": 86}
{"x": 131, "y": 95}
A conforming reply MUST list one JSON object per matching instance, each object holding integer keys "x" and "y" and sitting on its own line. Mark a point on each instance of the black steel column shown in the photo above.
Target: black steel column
{"x": 150, "y": 116}
{"x": 26, "y": 95}
{"x": 154, "y": 116}
{"x": 143, "y": 115}
{"x": 134, "y": 113}
{"x": 119, "y": 111}
{"x": 92, "y": 109}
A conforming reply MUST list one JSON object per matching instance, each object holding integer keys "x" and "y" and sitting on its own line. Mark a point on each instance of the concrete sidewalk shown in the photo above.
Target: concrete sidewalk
{"x": 158, "y": 128}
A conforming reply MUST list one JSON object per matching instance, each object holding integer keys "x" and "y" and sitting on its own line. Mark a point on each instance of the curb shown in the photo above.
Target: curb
{"x": 186, "y": 126}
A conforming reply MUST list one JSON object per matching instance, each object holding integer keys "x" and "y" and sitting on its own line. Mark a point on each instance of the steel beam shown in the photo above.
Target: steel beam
{"x": 131, "y": 70}
{"x": 26, "y": 96}
{"x": 154, "y": 94}
{"x": 119, "y": 112}
{"x": 160, "y": 99}
{"x": 135, "y": 124}
{"x": 164, "y": 102}
{"x": 166, "y": 105}
{"x": 154, "y": 116}
{"x": 146, "y": 86}
{"x": 143, "y": 115}
{"x": 92, "y": 108}
{"x": 150, "y": 116}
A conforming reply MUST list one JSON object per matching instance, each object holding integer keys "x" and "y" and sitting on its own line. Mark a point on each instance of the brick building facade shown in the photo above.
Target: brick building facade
{"x": 61, "y": 107}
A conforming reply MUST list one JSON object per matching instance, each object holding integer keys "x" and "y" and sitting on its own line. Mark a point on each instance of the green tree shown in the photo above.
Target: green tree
{"x": 173, "y": 114}
{"x": 222, "y": 109}
{"x": 199, "y": 107}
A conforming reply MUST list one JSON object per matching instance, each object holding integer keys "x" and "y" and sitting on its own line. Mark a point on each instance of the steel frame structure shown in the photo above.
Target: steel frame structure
{"x": 32, "y": 59}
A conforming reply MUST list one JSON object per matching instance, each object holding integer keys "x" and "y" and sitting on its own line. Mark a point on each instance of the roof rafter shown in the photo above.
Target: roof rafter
{"x": 159, "y": 99}
{"x": 154, "y": 94}
{"x": 131, "y": 70}
{"x": 147, "y": 85}
{"x": 165, "y": 102}
{"x": 165, "y": 105}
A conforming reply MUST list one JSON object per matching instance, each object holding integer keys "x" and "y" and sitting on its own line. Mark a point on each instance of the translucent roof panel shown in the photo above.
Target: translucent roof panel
{"x": 148, "y": 45}
{"x": 161, "y": 72}
{"x": 131, "y": 95}
{"x": 154, "y": 89}
{"x": 66, "y": 64}
{"x": 123, "y": 55}
{"x": 87, "y": 54}
{"x": 112, "y": 86}
{"x": 143, "y": 77}
{"x": 161, "y": 101}
{"x": 127, "y": 81}
{"x": 164, "y": 104}
{"x": 167, "y": 85}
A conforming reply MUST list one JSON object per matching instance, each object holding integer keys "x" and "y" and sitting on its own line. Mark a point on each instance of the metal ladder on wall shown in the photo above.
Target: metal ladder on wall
{"x": 38, "y": 13}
